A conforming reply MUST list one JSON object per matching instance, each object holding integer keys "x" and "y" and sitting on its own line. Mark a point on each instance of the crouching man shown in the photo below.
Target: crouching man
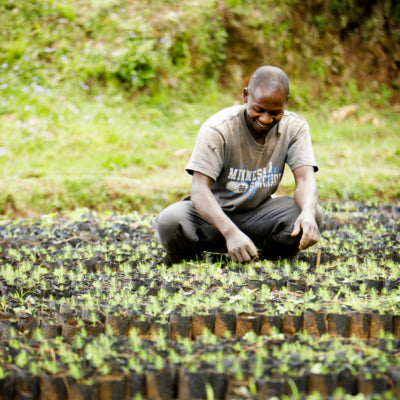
{"x": 236, "y": 166}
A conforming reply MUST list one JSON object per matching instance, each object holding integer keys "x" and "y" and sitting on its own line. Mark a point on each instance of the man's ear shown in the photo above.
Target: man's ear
{"x": 245, "y": 94}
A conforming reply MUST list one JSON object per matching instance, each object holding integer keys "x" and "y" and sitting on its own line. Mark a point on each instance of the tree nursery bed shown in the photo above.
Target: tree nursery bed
{"x": 88, "y": 310}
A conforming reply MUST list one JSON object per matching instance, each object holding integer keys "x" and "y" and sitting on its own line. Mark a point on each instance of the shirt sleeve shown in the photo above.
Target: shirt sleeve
{"x": 208, "y": 153}
{"x": 300, "y": 151}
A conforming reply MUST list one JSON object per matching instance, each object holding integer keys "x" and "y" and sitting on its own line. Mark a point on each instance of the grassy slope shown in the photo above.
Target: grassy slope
{"x": 68, "y": 141}
{"x": 123, "y": 156}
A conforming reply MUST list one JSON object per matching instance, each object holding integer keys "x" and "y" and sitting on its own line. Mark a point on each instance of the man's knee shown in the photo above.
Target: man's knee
{"x": 165, "y": 223}
{"x": 174, "y": 227}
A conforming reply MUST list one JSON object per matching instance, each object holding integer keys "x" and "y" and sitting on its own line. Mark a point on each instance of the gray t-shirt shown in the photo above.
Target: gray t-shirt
{"x": 246, "y": 173}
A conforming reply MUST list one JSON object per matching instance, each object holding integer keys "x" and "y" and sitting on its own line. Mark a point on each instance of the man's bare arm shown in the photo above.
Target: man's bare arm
{"x": 306, "y": 196}
{"x": 240, "y": 246}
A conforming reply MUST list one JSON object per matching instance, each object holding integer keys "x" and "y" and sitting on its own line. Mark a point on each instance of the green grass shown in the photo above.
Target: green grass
{"x": 67, "y": 148}
{"x": 75, "y": 132}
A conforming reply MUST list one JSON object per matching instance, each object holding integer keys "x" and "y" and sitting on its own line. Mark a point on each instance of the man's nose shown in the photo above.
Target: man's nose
{"x": 266, "y": 118}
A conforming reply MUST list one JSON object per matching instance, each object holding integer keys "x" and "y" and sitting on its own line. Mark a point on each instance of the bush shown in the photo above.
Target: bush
{"x": 140, "y": 59}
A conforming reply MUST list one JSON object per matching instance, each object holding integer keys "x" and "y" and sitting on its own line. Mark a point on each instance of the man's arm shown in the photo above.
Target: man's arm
{"x": 306, "y": 197}
{"x": 240, "y": 246}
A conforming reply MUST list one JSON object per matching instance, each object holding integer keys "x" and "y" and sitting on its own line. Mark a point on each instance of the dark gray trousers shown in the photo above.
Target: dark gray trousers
{"x": 184, "y": 234}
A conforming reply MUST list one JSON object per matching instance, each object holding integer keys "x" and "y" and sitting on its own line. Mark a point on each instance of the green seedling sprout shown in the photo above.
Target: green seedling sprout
{"x": 21, "y": 294}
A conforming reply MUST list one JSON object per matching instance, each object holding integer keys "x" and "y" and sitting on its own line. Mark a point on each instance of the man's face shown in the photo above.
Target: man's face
{"x": 265, "y": 108}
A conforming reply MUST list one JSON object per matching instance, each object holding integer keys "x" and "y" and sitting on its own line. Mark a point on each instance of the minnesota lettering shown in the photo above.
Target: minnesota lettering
{"x": 257, "y": 178}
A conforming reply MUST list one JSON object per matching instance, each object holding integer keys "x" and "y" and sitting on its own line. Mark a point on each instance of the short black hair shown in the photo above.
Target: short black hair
{"x": 269, "y": 76}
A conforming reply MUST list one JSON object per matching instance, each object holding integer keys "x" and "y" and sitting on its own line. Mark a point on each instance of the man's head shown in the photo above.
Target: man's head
{"x": 266, "y": 97}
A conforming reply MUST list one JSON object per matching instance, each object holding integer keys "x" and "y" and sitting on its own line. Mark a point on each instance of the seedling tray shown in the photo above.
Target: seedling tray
{"x": 88, "y": 310}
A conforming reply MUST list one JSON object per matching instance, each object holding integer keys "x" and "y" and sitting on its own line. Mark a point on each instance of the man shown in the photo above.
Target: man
{"x": 237, "y": 164}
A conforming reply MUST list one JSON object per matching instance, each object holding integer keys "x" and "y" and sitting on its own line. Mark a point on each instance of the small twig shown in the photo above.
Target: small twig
{"x": 83, "y": 238}
{"x": 318, "y": 258}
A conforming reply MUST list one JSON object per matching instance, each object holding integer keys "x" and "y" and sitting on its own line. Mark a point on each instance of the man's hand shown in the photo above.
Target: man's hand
{"x": 241, "y": 248}
{"x": 306, "y": 224}
{"x": 239, "y": 245}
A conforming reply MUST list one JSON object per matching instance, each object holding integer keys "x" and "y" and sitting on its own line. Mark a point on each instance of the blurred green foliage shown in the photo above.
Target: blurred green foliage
{"x": 178, "y": 45}
{"x": 139, "y": 63}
